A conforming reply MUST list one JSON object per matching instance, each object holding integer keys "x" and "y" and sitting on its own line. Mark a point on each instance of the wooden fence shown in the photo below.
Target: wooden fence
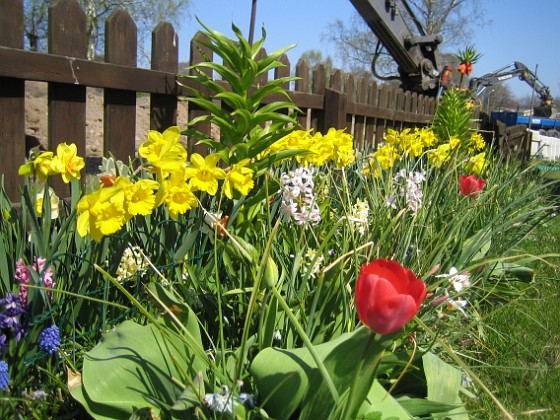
{"x": 361, "y": 106}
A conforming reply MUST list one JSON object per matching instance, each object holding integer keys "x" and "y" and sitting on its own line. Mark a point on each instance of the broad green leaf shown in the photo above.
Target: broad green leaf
{"x": 287, "y": 379}
{"x": 444, "y": 383}
{"x": 341, "y": 363}
{"x": 380, "y": 404}
{"x": 132, "y": 367}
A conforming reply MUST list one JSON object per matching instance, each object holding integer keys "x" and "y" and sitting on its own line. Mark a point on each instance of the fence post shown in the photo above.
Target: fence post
{"x": 165, "y": 57}
{"x": 67, "y": 103}
{"x": 119, "y": 106}
{"x": 335, "y": 109}
{"x": 12, "y": 101}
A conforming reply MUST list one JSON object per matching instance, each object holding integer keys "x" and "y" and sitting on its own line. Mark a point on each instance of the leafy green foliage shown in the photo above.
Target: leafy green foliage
{"x": 453, "y": 117}
{"x": 248, "y": 120}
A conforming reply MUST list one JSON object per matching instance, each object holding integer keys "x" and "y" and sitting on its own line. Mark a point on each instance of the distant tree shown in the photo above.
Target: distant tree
{"x": 36, "y": 17}
{"x": 356, "y": 45}
{"x": 498, "y": 97}
{"x": 146, "y": 14}
{"x": 315, "y": 57}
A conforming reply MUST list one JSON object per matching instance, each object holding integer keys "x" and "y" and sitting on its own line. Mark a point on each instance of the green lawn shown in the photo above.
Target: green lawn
{"x": 522, "y": 364}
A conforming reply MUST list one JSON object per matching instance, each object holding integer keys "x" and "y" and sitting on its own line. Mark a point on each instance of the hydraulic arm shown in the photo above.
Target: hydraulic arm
{"x": 415, "y": 55}
{"x": 520, "y": 70}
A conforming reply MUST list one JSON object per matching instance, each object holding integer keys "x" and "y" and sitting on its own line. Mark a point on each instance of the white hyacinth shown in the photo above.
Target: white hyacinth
{"x": 298, "y": 197}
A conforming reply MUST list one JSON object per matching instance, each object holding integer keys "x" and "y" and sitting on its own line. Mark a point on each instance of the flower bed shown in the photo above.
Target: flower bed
{"x": 283, "y": 274}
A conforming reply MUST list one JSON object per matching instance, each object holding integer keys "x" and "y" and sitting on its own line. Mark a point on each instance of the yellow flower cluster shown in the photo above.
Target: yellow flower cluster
{"x": 106, "y": 210}
{"x": 336, "y": 146}
{"x": 66, "y": 162}
{"x": 414, "y": 143}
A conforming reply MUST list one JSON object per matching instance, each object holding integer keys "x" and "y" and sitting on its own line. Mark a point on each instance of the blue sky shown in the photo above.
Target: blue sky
{"x": 525, "y": 31}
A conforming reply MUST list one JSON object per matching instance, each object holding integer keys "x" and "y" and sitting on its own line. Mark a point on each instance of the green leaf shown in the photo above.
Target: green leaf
{"x": 287, "y": 379}
{"x": 444, "y": 383}
{"x": 341, "y": 363}
{"x": 132, "y": 367}
{"x": 380, "y": 404}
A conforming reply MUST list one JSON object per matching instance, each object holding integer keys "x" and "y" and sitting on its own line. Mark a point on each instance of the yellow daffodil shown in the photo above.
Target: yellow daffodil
{"x": 43, "y": 166}
{"x": 203, "y": 174}
{"x": 386, "y": 156}
{"x": 477, "y": 141}
{"x": 440, "y": 155}
{"x": 101, "y": 212}
{"x": 67, "y": 162}
{"x": 476, "y": 164}
{"x": 163, "y": 150}
{"x": 140, "y": 197}
{"x": 341, "y": 146}
{"x": 454, "y": 142}
{"x": 427, "y": 136}
{"x": 240, "y": 178}
{"x": 53, "y": 201}
{"x": 392, "y": 136}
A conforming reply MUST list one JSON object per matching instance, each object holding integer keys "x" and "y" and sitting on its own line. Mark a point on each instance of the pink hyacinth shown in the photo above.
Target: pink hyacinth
{"x": 45, "y": 274}
{"x": 22, "y": 277}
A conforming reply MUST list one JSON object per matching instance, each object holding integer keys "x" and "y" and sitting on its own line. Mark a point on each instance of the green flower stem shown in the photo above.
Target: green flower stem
{"x": 464, "y": 366}
{"x": 253, "y": 299}
{"x": 308, "y": 344}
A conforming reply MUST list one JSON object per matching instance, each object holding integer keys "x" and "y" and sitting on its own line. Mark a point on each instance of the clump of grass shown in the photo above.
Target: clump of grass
{"x": 522, "y": 363}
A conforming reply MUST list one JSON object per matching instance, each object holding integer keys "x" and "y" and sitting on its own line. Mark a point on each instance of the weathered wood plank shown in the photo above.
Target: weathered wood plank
{"x": 165, "y": 57}
{"x": 302, "y": 85}
{"x": 119, "y": 106}
{"x": 12, "y": 101}
{"x": 67, "y": 103}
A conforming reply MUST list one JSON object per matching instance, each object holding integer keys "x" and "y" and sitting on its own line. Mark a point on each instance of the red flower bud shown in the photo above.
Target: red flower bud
{"x": 387, "y": 295}
{"x": 471, "y": 185}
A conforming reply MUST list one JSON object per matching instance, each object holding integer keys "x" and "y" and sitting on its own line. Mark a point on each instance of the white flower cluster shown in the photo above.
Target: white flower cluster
{"x": 132, "y": 263}
{"x": 313, "y": 263}
{"x": 458, "y": 281}
{"x": 298, "y": 198}
{"x": 359, "y": 217}
{"x": 412, "y": 189}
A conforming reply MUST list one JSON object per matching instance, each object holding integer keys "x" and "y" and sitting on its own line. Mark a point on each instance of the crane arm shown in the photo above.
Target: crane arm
{"x": 415, "y": 55}
{"x": 516, "y": 69}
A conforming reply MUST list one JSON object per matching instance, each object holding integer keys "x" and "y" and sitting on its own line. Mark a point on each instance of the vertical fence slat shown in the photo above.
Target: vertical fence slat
{"x": 12, "y": 101}
{"x": 359, "y": 121}
{"x": 349, "y": 90}
{"x": 370, "y": 121}
{"x": 165, "y": 57}
{"x": 302, "y": 85}
{"x": 119, "y": 106}
{"x": 398, "y": 106}
{"x": 318, "y": 86}
{"x": 383, "y": 98}
{"x": 67, "y": 103}
{"x": 335, "y": 109}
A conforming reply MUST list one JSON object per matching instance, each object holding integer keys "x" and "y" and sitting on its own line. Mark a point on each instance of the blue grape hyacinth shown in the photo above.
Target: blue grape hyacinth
{"x": 49, "y": 339}
{"x": 4, "y": 376}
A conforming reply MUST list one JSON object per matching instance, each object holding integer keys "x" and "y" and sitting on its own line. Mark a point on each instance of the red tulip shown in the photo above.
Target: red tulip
{"x": 471, "y": 185}
{"x": 387, "y": 295}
